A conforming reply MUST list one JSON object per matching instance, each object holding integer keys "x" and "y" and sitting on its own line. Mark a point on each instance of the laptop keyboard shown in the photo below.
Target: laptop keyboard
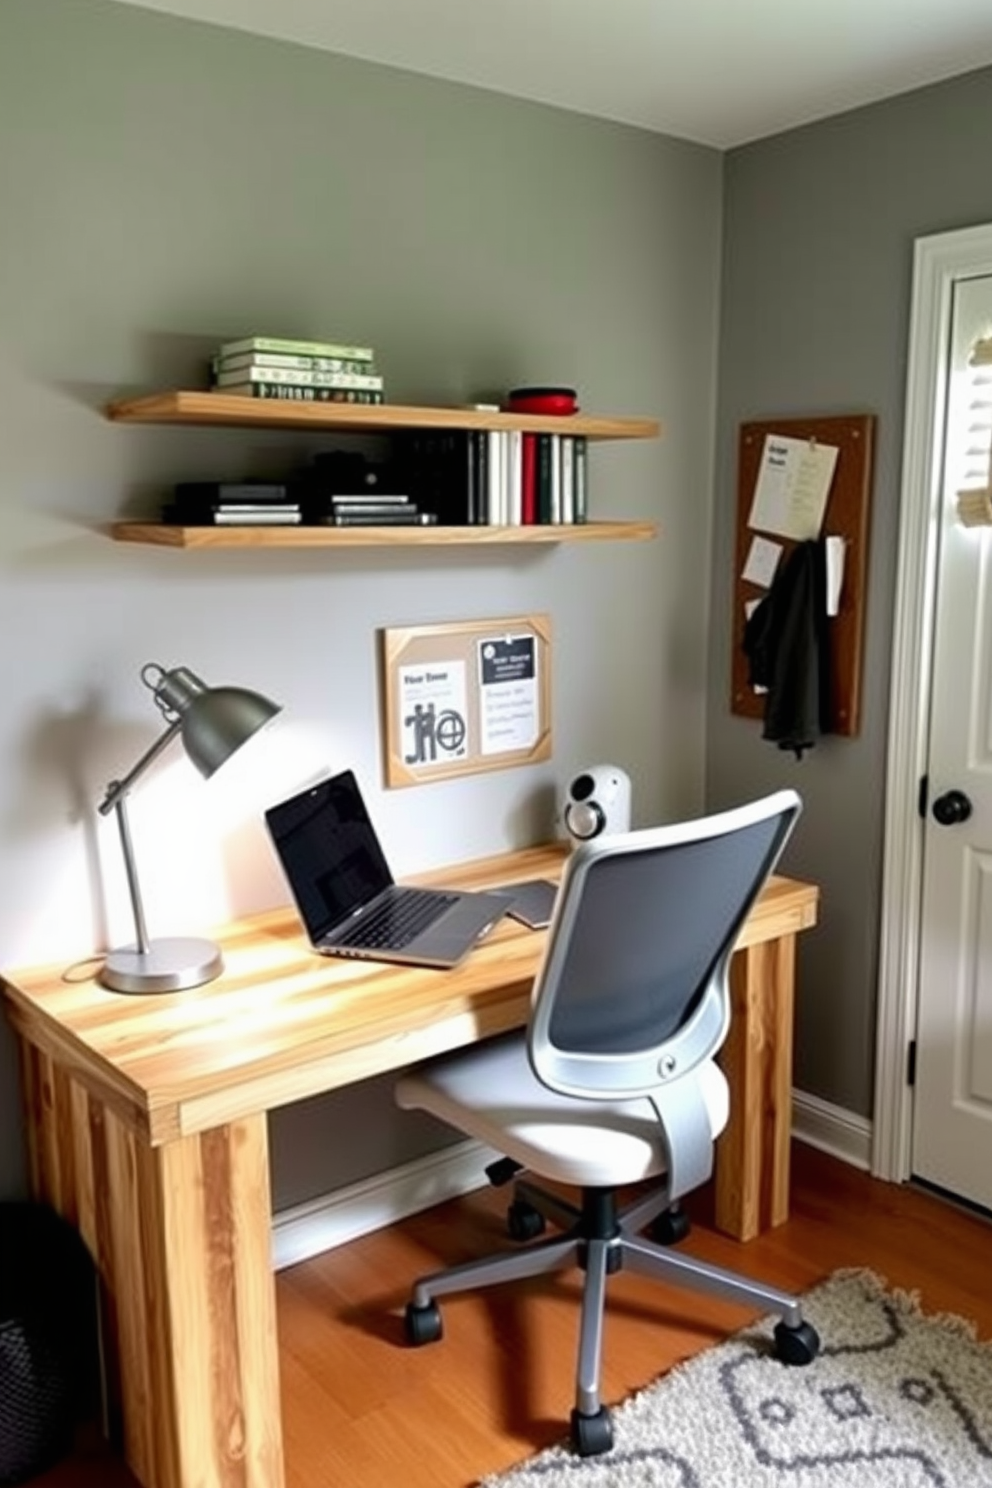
{"x": 396, "y": 922}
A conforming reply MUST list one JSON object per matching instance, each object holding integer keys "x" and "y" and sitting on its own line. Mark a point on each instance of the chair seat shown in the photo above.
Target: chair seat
{"x": 490, "y": 1092}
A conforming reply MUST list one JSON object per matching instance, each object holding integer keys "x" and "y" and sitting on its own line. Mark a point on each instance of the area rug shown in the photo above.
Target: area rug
{"x": 895, "y": 1399}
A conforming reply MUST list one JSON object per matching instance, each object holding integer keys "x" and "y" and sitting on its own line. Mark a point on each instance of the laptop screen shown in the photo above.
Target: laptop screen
{"x": 329, "y": 851}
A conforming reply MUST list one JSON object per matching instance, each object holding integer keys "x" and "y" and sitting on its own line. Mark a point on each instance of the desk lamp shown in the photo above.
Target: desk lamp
{"x": 214, "y": 722}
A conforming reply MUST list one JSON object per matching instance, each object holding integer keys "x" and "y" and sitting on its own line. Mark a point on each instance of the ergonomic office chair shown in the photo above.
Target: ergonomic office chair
{"x": 614, "y": 1080}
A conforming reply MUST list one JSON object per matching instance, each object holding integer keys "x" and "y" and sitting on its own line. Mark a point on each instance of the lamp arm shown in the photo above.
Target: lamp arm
{"x": 116, "y": 799}
{"x": 117, "y": 789}
{"x": 137, "y": 909}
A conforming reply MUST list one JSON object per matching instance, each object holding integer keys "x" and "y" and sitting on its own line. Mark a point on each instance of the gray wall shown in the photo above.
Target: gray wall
{"x": 166, "y": 184}
{"x": 819, "y": 229}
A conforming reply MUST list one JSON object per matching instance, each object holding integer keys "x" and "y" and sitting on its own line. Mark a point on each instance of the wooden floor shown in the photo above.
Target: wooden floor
{"x": 360, "y": 1408}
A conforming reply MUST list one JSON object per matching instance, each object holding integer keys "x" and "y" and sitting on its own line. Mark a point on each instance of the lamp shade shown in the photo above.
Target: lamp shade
{"x": 219, "y": 720}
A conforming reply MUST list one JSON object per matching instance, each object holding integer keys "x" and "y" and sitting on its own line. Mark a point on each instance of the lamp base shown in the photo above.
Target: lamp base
{"x": 169, "y": 965}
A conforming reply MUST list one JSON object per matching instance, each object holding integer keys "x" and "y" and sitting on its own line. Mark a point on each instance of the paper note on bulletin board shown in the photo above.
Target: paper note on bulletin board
{"x": 792, "y": 487}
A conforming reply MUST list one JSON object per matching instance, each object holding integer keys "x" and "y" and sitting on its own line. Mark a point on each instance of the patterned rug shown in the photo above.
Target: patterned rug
{"x": 895, "y": 1399}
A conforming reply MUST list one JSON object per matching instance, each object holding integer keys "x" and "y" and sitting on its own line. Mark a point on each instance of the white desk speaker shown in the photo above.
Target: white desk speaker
{"x": 597, "y": 801}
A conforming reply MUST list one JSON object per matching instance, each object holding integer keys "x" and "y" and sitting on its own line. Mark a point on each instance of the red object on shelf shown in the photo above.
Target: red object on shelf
{"x": 558, "y": 400}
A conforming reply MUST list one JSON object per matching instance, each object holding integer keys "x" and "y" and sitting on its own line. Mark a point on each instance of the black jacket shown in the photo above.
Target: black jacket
{"x": 786, "y": 643}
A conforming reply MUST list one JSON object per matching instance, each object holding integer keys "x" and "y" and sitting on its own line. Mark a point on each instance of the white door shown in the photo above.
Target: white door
{"x": 952, "y": 1100}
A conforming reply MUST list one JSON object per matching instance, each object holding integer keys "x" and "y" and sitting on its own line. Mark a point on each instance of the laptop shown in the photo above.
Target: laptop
{"x": 346, "y": 895}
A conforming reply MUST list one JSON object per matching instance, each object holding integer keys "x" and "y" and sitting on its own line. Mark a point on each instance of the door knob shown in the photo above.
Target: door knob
{"x": 951, "y": 808}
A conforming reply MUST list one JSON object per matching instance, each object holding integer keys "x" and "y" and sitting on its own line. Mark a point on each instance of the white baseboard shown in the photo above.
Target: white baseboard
{"x": 832, "y": 1129}
{"x": 333, "y": 1219}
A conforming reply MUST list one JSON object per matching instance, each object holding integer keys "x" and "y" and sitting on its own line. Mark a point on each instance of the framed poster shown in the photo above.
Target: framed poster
{"x": 465, "y": 697}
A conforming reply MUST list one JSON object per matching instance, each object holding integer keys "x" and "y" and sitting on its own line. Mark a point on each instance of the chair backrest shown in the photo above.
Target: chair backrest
{"x": 633, "y": 989}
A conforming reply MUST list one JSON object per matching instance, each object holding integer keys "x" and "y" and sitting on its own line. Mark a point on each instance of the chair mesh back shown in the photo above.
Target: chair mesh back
{"x": 641, "y": 933}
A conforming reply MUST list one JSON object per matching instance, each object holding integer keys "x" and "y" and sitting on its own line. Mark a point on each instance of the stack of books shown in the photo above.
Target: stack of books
{"x": 497, "y": 478}
{"x": 345, "y": 488}
{"x": 232, "y": 504}
{"x": 298, "y": 371}
{"x": 374, "y": 511}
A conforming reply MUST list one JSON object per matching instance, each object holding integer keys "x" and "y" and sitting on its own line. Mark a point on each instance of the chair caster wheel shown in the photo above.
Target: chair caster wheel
{"x": 799, "y": 1345}
{"x": 592, "y": 1435}
{"x": 523, "y": 1221}
{"x": 422, "y": 1324}
{"x": 669, "y": 1227}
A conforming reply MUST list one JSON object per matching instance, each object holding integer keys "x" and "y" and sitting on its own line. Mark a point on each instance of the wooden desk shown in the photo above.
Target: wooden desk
{"x": 146, "y": 1121}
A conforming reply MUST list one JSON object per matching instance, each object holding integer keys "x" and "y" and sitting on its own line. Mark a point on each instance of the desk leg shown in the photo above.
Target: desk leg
{"x": 181, "y": 1236}
{"x": 752, "y": 1154}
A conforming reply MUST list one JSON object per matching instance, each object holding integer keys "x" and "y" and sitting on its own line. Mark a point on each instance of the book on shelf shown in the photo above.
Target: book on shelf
{"x": 566, "y": 452}
{"x": 291, "y": 347}
{"x": 513, "y": 477}
{"x": 397, "y": 517}
{"x": 581, "y": 479}
{"x": 371, "y": 497}
{"x": 479, "y": 508}
{"x": 298, "y": 393}
{"x": 546, "y": 457}
{"x": 370, "y": 507}
{"x": 214, "y": 492}
{"x": 555, "y": 502}
{"x": 369, "y": 382}
{"x": 244, "y": 508}
{"x": 528, "y": 480}
{"x": 495, "y": 500}
{"x": 286, "y": 362}
{"x": 274, "y": 517}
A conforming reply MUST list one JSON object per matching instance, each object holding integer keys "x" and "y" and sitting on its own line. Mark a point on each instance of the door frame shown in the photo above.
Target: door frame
{"x": 939, "y": 262}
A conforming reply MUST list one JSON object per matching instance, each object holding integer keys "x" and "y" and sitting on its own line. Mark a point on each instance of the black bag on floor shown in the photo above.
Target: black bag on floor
{"x": 48, "y": 1338}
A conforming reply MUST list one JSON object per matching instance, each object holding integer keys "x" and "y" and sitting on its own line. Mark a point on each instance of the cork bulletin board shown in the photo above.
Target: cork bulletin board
{"x": 462, "y": 698}
{"x": 846, "y": 516}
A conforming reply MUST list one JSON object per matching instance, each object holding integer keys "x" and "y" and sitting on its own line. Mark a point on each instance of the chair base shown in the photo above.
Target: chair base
{"x": 601, "y": 1239}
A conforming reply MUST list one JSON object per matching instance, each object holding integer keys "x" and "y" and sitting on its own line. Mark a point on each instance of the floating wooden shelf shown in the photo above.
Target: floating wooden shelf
{"x": 218, "y": 409}
{"x": 224, "y": 409}
{"x": 163, "y": 535}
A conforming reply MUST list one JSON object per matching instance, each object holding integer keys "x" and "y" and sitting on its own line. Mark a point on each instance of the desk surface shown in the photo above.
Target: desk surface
{"x": 282, "y": 1023}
